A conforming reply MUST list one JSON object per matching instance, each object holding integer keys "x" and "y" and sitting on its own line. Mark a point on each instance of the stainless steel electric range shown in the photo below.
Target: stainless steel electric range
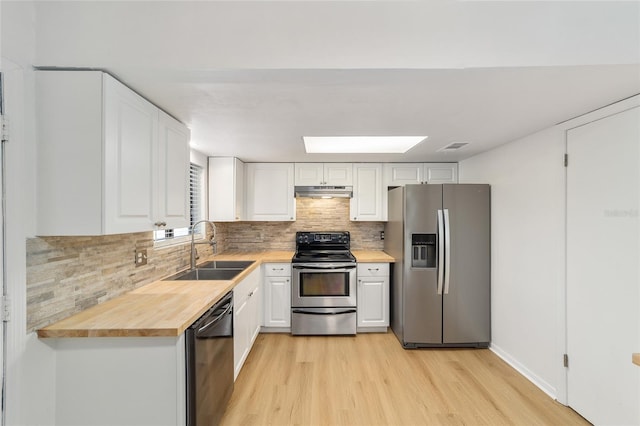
{"x": 323, "y": 294}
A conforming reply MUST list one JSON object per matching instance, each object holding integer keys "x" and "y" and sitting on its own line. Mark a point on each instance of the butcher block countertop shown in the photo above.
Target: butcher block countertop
{"x": 167, "y": 308}
{"x": 636, "y": 359}
{"x": 372, "y": 256}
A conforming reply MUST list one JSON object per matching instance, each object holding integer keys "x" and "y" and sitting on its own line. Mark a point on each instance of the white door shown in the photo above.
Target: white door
{"x": 602, "y": 269}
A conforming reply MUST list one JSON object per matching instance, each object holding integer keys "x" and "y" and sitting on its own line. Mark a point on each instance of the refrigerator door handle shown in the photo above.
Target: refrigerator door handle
{"x": 440, "y": 251}
{"x": 447, "y": 254}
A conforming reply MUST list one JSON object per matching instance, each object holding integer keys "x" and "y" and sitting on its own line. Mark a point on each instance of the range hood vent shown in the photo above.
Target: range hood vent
{"x": 324, "y": 191}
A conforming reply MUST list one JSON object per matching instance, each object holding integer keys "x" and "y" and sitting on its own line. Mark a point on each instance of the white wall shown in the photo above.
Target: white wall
{"x": 527, "y": 180}
{"x": 527, "y": 193}
{"x": 30, "y": 362}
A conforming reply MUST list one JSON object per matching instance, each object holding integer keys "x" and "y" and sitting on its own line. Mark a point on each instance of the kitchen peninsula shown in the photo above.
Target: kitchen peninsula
{"x": 129, "y": 352}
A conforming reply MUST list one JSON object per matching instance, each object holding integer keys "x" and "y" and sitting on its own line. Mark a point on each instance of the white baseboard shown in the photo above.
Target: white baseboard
{"x": 520, "y": 368}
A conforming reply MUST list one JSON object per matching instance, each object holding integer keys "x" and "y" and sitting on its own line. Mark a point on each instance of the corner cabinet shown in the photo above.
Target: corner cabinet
{"x": 277, "y": 297}
{"x": 226, "y": 189}
{"x": 109, "y": 162}
{"x": 247, "y": 317}
{"x": 373, "y": 297}
{"x": 367, "y": 201}
{"x": 269, "y": 192}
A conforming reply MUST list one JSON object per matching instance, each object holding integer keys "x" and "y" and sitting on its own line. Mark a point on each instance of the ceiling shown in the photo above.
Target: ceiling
{"x": 251, "y": 78}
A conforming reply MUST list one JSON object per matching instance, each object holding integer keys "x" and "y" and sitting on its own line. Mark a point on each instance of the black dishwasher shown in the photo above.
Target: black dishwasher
{"x": 209, "y": 353}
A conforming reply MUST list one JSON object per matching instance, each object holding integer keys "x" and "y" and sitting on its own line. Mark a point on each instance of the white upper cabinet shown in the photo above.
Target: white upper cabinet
{"x": 400, "y": 174}
{"x": 270, "y": 188}
{"x": 318, "y": 174}
{"x": 226, "y": 189}
{"x": 440, "y": 173}
{"x": 109, "y": 162}
{"x": 366, "y": 204}
{"x": 173, "y": 172}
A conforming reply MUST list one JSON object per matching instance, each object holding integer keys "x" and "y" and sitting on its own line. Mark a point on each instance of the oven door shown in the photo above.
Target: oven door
{"x": 323, "y": 285}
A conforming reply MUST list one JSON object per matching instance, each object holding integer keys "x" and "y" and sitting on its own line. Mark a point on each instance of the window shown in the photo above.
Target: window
{"x": 196, "y": 208}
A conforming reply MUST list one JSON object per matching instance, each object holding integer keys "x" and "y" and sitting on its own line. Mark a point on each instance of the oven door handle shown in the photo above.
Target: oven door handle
{"x": 301, "y": 311}
{"x": 323, "y": 267}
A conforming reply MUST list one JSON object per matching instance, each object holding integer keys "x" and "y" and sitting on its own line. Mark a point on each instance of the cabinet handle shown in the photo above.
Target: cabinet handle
{"x": 250, "y": 294}
{"x": 372, "y": 269}
{"x": 160, "y": 224}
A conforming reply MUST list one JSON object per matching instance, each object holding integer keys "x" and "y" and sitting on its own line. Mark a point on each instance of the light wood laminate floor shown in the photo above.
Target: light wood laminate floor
{"x": 370, "y": 380}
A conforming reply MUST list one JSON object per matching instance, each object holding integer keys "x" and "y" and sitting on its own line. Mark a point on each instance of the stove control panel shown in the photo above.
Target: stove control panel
{"x": 323, "y": 238}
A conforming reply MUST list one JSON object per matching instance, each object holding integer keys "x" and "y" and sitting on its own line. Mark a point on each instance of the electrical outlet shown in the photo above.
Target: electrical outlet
{"x": 382, "y": 235}
{"x": 141, "y": 257}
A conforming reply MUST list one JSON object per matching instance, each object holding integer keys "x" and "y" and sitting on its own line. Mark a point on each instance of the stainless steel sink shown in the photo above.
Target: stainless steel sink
{"x": 226, "y": 264}
{"x": 206, "y": 274}
{"x": 214, "y": 270}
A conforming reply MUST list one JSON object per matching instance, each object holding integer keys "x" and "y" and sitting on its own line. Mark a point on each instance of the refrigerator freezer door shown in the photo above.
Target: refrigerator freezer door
{"x": 467, "y": 306}
{"x": 422, "y": 314}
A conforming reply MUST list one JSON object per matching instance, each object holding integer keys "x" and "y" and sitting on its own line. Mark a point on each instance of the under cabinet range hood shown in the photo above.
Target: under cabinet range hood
{"x": 324, "y": 191}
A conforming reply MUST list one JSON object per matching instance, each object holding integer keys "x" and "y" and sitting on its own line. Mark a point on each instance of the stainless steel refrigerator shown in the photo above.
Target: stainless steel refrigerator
{"x": 440, "y": 237}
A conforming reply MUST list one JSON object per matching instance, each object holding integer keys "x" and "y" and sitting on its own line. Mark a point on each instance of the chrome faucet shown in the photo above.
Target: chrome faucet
{"x": 213, "y": 242}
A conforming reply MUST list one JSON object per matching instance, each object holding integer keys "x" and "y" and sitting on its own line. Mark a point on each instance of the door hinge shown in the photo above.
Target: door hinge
{"x": 565, "y": 360}
{"x": 5, "y": 308}
{"x": 4, "y": 128}
{"x": 566, "y": 160}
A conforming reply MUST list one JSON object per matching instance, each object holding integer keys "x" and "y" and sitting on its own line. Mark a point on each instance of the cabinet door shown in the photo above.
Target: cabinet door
{"x": 400, "y": 174}
{"x": 338, "y": 174}
{"x": 173, "y": 173}
{"x": 226, "y": 189}
{"x": 270, "y": 192}
{"x": 240, "y": 334}
{"x": 277, "y": 302}
{"x": 309, "y": 174}
{"x": 255, "y": 313}
{"x": 131, "y": 134}
{"x": 373, "y": 301}
{"x": 440, "y": 173}
{"x": 366, "y": 204}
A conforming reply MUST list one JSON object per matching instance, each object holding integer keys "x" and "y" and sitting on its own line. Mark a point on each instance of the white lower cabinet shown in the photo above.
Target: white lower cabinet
{"x": 247, "y": 314}
{"x": 373, "y": 297}
{"x": 277, "y": 297}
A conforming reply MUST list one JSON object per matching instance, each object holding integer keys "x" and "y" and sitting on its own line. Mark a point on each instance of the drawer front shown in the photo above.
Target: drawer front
{"x": 373, "y": 269}
{"x": 277, "y": 269}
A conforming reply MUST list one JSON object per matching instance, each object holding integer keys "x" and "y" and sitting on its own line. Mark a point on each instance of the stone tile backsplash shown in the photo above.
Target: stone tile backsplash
{"x": 312, "y": 214}
{"x": 66, "y": 275}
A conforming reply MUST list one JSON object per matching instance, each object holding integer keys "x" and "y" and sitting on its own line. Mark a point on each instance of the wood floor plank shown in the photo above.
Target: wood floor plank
{"x": 370, "y": 379}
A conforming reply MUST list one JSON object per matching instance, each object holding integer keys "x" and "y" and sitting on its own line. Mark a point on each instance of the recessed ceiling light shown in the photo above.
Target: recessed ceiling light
{"x": 360, "y": 144}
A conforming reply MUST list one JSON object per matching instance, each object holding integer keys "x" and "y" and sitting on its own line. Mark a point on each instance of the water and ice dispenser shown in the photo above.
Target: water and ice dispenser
{"x": 423, "y": 250}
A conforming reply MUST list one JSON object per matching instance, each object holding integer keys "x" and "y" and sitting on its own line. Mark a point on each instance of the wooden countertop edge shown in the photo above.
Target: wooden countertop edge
{"x": 635, "y": 358}
{"x": 57, "y": 330}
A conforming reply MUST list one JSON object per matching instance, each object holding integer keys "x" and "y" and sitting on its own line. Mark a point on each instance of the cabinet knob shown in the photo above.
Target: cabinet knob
{"x": 160, "y": 224}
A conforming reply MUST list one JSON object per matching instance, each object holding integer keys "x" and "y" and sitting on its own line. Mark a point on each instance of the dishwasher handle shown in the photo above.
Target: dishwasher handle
{"x": 208, "y": 320}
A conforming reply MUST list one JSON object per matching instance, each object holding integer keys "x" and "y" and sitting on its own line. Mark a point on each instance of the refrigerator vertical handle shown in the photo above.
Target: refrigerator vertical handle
{"x": 440, "y": 251}
{"x": 447, "y": 253}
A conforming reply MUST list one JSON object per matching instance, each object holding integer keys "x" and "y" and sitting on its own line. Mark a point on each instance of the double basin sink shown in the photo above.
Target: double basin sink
{"x": 214, "y": 270}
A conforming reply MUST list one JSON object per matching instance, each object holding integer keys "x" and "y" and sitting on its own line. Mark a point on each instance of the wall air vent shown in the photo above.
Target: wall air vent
{"x": 454, "y": 146}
